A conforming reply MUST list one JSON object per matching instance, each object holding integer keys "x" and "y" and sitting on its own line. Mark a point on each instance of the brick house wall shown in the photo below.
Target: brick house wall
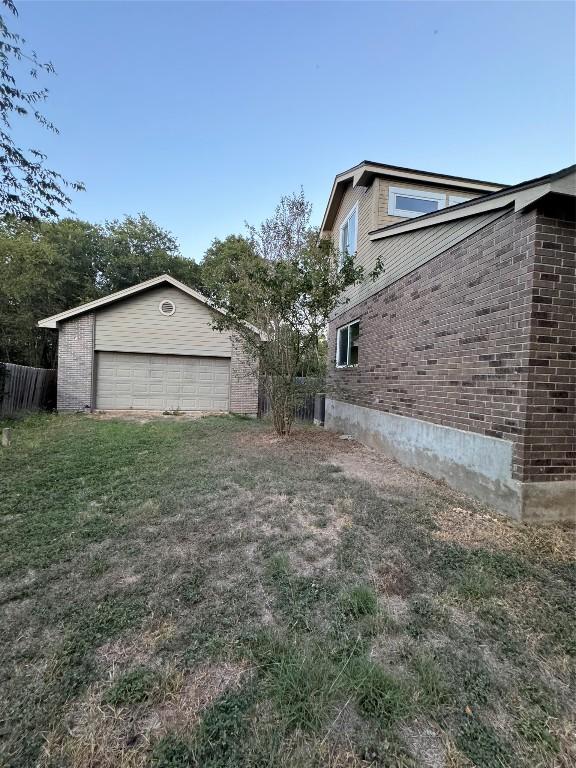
{"x": 549, "y": 446}
{"x": 480, "y": 339}
{"x": 244, "y": 380}
{"x": 76, "y": 363}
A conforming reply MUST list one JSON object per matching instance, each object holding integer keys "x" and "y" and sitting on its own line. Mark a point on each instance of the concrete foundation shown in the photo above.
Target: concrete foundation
{"x": 476, "y": 464}
{"x": 549, "y": 502}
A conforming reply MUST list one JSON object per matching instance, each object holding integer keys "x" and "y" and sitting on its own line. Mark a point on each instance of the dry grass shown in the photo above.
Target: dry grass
{"x": 477, "y": 530}
{"x": 294, "y": 603}
{"x": 98, "y": 735}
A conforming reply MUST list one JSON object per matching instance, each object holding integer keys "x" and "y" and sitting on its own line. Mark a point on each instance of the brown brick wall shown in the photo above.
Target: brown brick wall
{"x": 243, "y": 381}
{"x": 75, "y": 363}
{"x": 453, "y": 343}
{"x": 549, "y": 449}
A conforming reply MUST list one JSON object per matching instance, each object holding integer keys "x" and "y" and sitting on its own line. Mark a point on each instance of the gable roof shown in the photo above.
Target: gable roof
{"x": 363, "y": 173}
{"x": 53, "y": 320}
{"x": 561, "y": 182}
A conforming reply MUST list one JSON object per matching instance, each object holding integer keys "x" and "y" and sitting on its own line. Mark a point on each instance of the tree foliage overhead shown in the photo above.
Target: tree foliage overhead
{"x": 48, "y": 267}
{"x": 136, "y": 249}
{"x": 286, "y": 282}
{"x": 28, "y": 188}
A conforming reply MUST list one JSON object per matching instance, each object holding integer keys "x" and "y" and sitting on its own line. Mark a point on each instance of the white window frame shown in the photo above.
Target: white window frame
{"x": 420, "y": 194}
{"x": 353, "y": 210}
{"x": 340, "y": 328}
{"x": 455, "y": 199}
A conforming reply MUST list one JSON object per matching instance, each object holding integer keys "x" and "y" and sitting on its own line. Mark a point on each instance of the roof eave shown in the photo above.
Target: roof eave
{"x": 561, "y": 182}
{"x": 362, "y": 175}
{"x": 53, "y": 320}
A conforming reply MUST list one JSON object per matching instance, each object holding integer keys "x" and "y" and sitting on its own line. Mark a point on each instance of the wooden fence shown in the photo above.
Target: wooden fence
{"x": 305, "y": 405}
{"x": 23, "y": 388}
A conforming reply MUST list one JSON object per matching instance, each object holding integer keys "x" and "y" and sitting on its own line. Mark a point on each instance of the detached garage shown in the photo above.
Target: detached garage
{"x": 150, "y": 347}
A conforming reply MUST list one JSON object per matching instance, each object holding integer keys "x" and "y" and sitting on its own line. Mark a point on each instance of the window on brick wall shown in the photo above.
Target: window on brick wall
{"x": 349, "y": 234}
{"x": 347, "y": 345}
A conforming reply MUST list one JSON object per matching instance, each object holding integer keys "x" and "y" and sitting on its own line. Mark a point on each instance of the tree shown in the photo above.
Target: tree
{"x": 225, "y": 266}
{"x": 287, "y": 289}
{"x": 47, "y": 267}
{"x": 28, "y": 189}
{"x": 137, "y": 249}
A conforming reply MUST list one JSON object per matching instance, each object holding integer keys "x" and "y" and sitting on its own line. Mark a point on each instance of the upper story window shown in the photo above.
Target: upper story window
{"x": 413, "y": 202}
{"x": 347, "y": 345}
{"x": 349, "y": 234}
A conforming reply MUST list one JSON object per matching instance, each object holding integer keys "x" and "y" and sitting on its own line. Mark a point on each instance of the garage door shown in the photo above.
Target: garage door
{"x": 161, "y": 382}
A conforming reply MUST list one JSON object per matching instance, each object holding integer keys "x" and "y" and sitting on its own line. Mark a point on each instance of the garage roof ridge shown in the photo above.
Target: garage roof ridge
{"x": 53, "y": 320}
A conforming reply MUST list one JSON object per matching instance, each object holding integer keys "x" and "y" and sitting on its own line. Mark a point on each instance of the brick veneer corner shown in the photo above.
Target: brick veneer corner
{"x": 76, "y": 363}
{"x": 243, "y": 380}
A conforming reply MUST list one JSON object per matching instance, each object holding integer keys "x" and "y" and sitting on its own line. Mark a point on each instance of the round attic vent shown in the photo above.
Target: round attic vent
{"x": 167, "y": 307}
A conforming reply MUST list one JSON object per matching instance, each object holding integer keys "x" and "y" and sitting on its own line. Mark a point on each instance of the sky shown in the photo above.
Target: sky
{"x": 202, "y": 115}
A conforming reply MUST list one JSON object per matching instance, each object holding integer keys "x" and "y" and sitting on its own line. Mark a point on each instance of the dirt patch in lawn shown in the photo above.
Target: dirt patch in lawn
{"x": 136, "y": 649}
{"x": 302, "y": 443}
{"x": 426, "y": 744}
{"x": 145, "y": 416}
{"x": 364, "y": 463}
{"x": 101, "y": 734}
{"x": 460, "y": 519}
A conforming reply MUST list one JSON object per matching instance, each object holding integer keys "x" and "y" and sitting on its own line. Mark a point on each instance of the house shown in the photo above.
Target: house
{"x": 459, "y": 358}
{"x": 151, "y": 347}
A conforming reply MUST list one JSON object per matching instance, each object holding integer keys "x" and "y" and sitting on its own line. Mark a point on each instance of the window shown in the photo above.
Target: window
{"x": 413, "y": 202}
{"x": 455, "y": 199}
{"x": 347, "y": 345}
{"x": 348, "y": 234}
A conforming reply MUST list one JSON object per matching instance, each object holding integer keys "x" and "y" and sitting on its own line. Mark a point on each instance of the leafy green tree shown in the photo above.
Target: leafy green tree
{"x": 28, "y": 188}
{"x": 225, "y": 267}
{"x": 137, "y": 249}
{"x": 50, "y": 266}
{"x": 288, "y": 291}
{"x": 37, "y": 278}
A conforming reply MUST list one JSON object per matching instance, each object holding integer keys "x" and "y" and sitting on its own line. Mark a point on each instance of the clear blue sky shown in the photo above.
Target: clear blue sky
{"x": 203, "y": 114}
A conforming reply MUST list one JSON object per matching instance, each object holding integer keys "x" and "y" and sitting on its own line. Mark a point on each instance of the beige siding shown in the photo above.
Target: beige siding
{"x": 362, "y": 196}
{"x": 136, "y": 325}
{"x": 373, "y": 206}
{"x": 401, "y": 254}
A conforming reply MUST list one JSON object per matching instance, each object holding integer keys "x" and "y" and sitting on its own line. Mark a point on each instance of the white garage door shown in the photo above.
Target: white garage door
{"x": 161, "y": 382}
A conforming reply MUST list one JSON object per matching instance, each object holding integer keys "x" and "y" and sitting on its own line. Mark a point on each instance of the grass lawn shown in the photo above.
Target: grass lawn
{"x": 199, "y": 593}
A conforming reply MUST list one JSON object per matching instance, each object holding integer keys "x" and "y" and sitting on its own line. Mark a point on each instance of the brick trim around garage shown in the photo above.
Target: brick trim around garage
{"x": 76, "y": 364}
{"x": 243, "y": 380}
{"x": 76, "y": 384}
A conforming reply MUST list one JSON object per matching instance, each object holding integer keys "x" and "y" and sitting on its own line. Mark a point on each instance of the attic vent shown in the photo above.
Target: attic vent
{"x": 167, "y": 307}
